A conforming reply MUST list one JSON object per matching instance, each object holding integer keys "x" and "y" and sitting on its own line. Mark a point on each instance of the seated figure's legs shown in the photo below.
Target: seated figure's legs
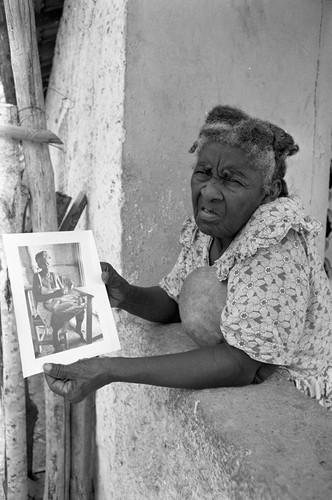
{"x": 59, "y": 319}
{"x": 57, "y": 323}
{"x": 79, "y": 321}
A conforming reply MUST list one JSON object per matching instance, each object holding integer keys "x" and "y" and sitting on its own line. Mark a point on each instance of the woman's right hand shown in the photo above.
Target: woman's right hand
{"x": 57, "y": 293}
{"x": 116, "y": 286}
{"x": 76, "y": 380}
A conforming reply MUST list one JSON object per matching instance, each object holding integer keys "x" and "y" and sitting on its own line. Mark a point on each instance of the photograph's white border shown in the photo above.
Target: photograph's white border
{"x": 92, "y": 273}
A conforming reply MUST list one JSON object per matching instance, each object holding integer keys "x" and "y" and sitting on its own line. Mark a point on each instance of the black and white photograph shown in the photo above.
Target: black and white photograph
{"x": 63, "y": 301}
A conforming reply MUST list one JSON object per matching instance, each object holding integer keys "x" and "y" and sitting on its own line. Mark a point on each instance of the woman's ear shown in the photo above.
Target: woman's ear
{"x": 273, "y": 191}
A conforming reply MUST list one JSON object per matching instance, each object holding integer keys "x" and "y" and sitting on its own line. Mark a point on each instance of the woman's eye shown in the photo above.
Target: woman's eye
{"x": 202, "y": 173}
{"x": 231, "y": 180}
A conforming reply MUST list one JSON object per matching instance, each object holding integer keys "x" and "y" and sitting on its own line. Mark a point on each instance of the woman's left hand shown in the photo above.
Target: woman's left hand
{"x": 75, "y": 381}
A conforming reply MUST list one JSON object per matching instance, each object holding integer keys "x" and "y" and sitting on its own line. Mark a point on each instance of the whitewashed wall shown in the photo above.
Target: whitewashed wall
{"x": 154, "y": 68}
{"x": 85, "y": 108}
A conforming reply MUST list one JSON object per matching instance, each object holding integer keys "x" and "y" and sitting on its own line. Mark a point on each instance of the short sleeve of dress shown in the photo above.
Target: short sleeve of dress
{"x": 267, "y": 300}
{"x": 172, "y": 283}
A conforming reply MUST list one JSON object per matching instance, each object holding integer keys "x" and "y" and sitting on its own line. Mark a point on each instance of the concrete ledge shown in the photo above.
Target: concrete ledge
{"x": 264, "y": 441}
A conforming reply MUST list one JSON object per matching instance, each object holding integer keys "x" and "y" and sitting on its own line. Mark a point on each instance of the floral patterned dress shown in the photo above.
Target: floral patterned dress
{"x": 279, "y": 302}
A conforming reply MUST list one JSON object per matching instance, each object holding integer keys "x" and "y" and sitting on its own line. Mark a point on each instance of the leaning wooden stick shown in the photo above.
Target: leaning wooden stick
{"x": 13, "y": 458}
{"x": 64, "y": 448}
{"x": 13, "y": 400}
{"x": 30, "y": 101}
{"x": 82, "y": 416}
{"x": 71, "y": 219}
{"x": 27, "y": 134}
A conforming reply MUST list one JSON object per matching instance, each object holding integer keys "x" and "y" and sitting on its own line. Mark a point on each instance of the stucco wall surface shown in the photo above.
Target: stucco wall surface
{"x": 259, "y": 442}
{"x": 147, "y": 71}
{"x": 85, "y": 108}
{"x": 184, "y": 56}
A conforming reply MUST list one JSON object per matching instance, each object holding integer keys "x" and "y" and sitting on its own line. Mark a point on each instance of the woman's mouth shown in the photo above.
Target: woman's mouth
{"x": 207, "y": 213}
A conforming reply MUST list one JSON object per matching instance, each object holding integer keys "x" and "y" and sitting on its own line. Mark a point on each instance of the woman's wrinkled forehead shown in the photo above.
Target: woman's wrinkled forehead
{"x": 254, "y": 137}
{"x": 227, "y": 158}
{"x": 266, "y": 145}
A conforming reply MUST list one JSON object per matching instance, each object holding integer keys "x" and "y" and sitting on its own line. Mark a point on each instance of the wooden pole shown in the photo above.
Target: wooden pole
{"x": 30, "y": 101}
{"x": 6, "y": 72}
{"x": 83, "y": 420}
{"x": 13, "y": 458}
{"x": 31, "y": 110}
{"x": 61, "y": 440}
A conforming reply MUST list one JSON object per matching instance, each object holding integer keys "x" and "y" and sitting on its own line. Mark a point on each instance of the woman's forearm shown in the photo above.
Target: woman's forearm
{"x": 151, "y": 303}
{"x": 218, "y": 366}
{"x": 42, "y": 296}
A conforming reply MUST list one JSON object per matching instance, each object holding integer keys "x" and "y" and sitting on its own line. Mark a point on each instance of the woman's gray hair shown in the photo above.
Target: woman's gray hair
{"x": 266, "y": 145}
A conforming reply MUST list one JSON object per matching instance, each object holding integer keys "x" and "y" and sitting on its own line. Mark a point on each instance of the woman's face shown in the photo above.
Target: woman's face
{"x": 226, "y": 190}
{"x": 44, "y": 261}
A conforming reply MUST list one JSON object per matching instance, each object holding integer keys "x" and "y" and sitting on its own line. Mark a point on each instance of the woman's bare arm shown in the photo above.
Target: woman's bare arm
{"x": 41, "y": 294}
{"x": 151, "y": 303}
{"x": 218, "y": 366}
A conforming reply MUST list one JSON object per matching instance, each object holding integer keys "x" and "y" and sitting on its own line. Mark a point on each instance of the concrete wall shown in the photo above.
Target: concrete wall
{"x": 154, "y": 68}
{"x": 262, "y": 442}
{"x": 85, "y": 108}
{"x": 183, "y": 57}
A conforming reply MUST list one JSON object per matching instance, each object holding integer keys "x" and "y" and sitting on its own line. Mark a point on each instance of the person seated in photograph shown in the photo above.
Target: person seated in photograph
{"x": 248, "y": 285}
{"x": 56, "y": 302}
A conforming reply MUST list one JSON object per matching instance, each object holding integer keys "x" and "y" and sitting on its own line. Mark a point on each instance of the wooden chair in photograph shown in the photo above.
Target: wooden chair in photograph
{"x": 41, "y": 336}
{"x": 87, "y": 296}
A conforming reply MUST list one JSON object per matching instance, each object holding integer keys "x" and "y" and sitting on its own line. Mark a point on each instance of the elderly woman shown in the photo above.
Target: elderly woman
{"x": 56, "y": 304}
{"x": 248, "y": 284}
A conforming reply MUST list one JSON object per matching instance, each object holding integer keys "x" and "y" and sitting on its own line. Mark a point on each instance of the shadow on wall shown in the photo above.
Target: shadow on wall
{"x": 328, "y": 247}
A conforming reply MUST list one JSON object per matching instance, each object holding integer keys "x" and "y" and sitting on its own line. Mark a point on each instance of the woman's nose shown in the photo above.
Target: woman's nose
{"x": 211, "y": 191}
